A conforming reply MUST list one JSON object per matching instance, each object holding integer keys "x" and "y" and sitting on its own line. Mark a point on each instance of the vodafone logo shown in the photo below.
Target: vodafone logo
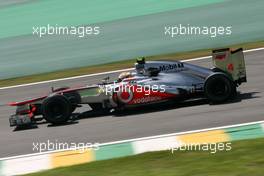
{"x": 125, "y": 96}
{"x": 146, "y": 99}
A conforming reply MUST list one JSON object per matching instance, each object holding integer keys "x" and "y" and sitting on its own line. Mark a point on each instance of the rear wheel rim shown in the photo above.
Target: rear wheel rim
{"x": 219, "y": 88}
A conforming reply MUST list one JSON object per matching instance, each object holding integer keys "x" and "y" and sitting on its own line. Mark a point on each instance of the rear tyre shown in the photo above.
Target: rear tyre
{"x": 56, "y": 109}
{"x": 218, "y": 88}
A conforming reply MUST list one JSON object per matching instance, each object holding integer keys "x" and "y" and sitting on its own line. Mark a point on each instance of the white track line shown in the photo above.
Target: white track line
{"x": 103, "y": 73}
{"x": 143, "y": 138}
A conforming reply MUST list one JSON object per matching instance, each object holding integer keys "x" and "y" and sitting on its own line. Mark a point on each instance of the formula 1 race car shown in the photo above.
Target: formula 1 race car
{"x": 149, "y": 83}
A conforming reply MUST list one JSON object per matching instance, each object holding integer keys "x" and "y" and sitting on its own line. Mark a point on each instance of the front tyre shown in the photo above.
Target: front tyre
{"x": 56, "y": 109}
{"x": 218, "y": 88}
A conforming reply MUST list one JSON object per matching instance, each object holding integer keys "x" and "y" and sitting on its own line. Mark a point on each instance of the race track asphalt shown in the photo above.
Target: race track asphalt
{"x": 247, "y": 107}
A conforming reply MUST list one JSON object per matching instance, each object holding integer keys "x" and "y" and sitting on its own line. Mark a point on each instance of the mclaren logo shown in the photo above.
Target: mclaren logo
{"x": 168, "y": 67}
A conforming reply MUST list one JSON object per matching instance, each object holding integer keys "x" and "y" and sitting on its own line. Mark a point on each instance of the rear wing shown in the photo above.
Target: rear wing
{"x": 231, "y": 62}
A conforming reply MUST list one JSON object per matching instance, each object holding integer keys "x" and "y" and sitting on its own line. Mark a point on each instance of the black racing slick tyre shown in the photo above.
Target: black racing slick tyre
{"x": 56, "y": 109}
{"x": 72, "y": 96}
{"x": 218, "y": 88}
{"x": 74, "y": 99}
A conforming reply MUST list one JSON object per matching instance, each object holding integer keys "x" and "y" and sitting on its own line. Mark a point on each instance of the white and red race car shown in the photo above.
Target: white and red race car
{"x": 149, "y": 83}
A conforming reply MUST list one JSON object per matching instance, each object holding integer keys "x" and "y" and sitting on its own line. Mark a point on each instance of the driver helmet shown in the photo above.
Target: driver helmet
{"x": 124, "y": 75}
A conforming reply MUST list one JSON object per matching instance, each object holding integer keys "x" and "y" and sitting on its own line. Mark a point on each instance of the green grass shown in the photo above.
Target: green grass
{"x": 115, "y": 65}
{"x": 245, "y": 158}
{"x": 18, "y": 19}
